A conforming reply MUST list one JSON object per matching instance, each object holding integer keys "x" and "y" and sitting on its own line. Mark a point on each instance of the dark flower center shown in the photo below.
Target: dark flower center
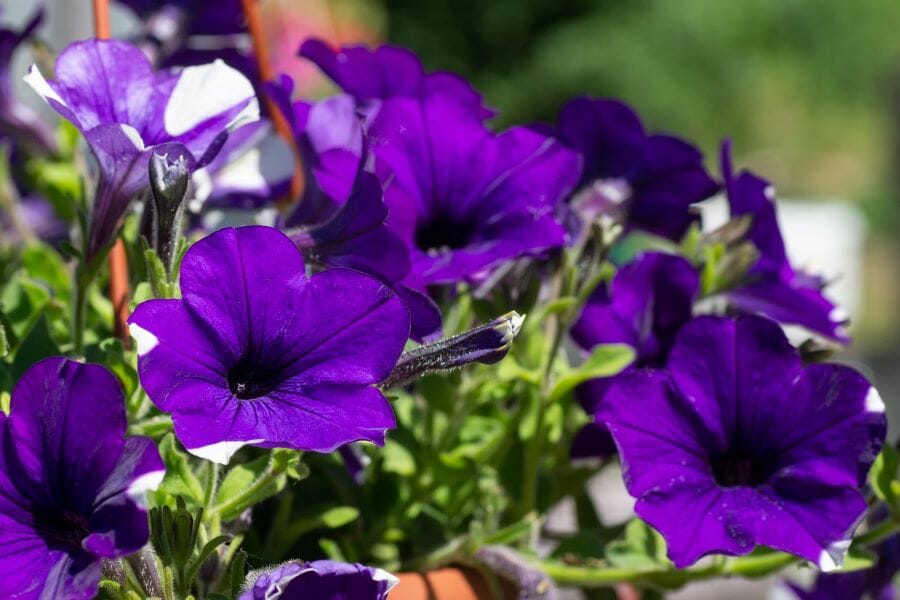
{"x": 442, "y": 233}
{"x": 248, "y": 380}
{"x": 62, "y": 530}
{"x": 739, "y": 470}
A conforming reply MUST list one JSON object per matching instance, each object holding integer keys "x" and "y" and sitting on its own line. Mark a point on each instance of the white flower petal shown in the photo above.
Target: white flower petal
{"x": 146, "y": 341}
{"x": 205, "y": 91}
{"x": 221, "y": 452}
{"x": 147, "y": 482}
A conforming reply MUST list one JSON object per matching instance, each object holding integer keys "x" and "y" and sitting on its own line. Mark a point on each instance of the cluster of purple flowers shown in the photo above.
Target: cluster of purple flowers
{"x": 280, "y": 334}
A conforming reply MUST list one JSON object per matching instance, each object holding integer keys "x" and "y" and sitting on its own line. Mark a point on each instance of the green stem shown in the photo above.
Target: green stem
{"x": 210, "y": 484}
{"x": 268, "y": 476}
{"x": 79, "y": 311}
{"x": 131, "y": 579}
{"x": 880, "y": 532}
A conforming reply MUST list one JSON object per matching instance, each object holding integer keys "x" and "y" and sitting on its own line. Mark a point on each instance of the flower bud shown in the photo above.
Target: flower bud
{"x": 486, "y": 344}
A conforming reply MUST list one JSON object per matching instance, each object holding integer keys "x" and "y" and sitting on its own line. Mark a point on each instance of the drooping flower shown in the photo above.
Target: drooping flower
{"x": 126, "y": 111}
{"x": 647, "y": 182}
{"x": 71, "y": 484}
{"x": 736, "y": 443}
{"x": 257, "y": 353}
{"x": 17, "y": 120}
{"x": 319, "y": 580}
{"x": 876, "y": 582}
{"x": 645, "y": 305}
{"x": 773, "y": 287}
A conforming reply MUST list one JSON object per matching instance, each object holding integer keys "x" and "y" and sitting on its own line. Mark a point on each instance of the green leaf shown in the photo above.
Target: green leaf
{"x": 397, "y": 459}
{"x": 478, "y": 437}
{"x": 641, "y": 548}
{"x": 44, "y": 264}
{"x": 112, "y": 354}
{"x": 250, "y": 483}
{"x": 23, "y": 303}
{"x": 857, "y": 558}
{"x": 179, "y": 479}
{"x": 339, "y": 516}
{"x": 605, "y": 360}
{"x": 883, "y": 477}
{"x": 38, "y": 345}
{"x": 331, "y": 549}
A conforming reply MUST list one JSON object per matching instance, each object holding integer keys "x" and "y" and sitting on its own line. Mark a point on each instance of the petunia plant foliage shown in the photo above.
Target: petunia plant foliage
{"x": 411, "y": 361}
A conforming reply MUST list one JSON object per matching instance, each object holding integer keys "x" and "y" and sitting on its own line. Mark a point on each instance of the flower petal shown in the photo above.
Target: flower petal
{"x": 68, "y": 422}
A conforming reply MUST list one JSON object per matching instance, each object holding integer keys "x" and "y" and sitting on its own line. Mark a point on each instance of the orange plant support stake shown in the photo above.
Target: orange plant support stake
{"x": 118, "y": 262}
{"x": 266, "y": 73}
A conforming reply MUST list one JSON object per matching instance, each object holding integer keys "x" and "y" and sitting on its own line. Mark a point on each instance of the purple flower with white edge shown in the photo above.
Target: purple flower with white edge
{"x": 370, "y": 75}
{"x": 17, "y": 120}
{"x": 258, "y": 353}
{"x": 126, "y": 111}
{"x": 736, "y": 443}
{"x": 647, "y": 181}
{"x": 71, "y": 484}
{"x": 876, "y": 582}
{"x": 319, "y": 580}
{"x": 253, "y": 169}
{"x": 463, "y": 198}
{"x": 773, "y": 287}
{"x": 644, "y": 306}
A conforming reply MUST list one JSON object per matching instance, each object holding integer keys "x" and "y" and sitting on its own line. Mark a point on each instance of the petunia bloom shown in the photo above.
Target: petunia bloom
{"x": 126, "y": 111}
{"x": 468, "y": 202}
{"x": 258, "y": 353}
{"x": 773, "y": 287}
{"x": 736, "y": 443}
{"x": 371, "y": 75}
{"x": 71, "y": 484}
{"x": 463, "y": 198}
{"x": 320, "y": 580}
{"x": 644, "y": 306}
{"x": 647, "y": 182}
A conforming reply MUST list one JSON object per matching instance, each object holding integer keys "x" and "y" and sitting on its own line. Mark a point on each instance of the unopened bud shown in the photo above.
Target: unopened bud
{"x": 486, "y": 344}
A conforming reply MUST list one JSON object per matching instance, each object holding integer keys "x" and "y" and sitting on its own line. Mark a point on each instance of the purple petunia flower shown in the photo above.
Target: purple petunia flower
{"x": 126, "y": 111}
{"x": 773, "y": 288}
{"x": 648, "y": 181}
{"x": 371, "y": 75}
{"x": 737, "y": 443}
{"x": 17, "y": 120}
{"x": 71, "y": 484}
{"x": 258, "y": 353}
{"x": 320, "y": 580}
{"x": 645, "y": 305}
{"x": 463, "y": 198}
